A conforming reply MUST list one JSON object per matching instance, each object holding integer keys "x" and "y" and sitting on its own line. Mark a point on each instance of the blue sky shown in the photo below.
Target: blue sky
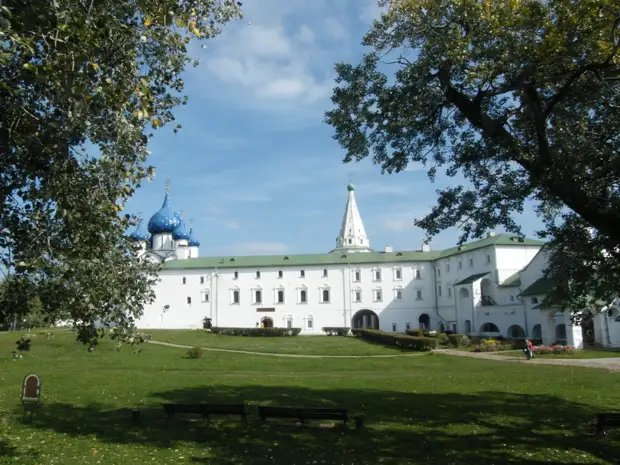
{"x": 254, "y": 166}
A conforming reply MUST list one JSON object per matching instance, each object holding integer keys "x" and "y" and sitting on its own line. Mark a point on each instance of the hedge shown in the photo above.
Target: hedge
{"x": 459, "y": 340}
{"x": 415, "y": 332}
{"x": 336, "y": 331}
{"x": 395, "y": 339}
{"x": 257, "y": 332}
{"x": 442, "y": 338}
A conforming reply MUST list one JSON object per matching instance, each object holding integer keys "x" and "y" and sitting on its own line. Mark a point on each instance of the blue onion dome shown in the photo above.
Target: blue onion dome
{"x": 165, "y": 220}
{"x": 181, "y": 232}
{"x": 192, "y": 241}
{"x": 140, "y": 233}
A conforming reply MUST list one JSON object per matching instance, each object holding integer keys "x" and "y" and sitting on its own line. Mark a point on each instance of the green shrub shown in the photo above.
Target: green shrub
{"x": 257, "y": 332}
{"x": 195, "y": 352}
{"x": 398, "y": 340}
{"x": 415, "y": 332}
{"x": 443, "y": 339}
{"x": 336, "y": 331}
{"x": 459, "y": 340}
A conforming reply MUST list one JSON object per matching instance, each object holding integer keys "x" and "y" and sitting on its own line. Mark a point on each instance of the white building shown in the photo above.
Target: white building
{"x": 490, "y": 287}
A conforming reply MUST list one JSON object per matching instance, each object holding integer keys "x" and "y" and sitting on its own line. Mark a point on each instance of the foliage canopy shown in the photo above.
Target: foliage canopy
{"x": 76, "y": 74}
{"x": 521, "y": 98}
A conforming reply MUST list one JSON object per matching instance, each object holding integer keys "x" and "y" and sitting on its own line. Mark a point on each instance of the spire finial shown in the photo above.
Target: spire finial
{"x": 191, "y": 222}
{"x": 350, "y": 186}
{"x": 181, "y": 213}
{"x": 167, "y": 184}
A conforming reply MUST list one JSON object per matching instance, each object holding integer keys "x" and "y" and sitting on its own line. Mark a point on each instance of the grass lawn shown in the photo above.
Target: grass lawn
{"x": 303, "y": 345}
{"x": 432, "y": 409}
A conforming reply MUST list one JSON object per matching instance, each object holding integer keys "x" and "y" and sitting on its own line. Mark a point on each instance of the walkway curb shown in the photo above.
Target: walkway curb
{"x": 611, "y": 364}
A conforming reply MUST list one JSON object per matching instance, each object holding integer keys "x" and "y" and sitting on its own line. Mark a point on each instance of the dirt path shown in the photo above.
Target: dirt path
{"x": 271, "y": 354}
{"x": 611, "y": 364}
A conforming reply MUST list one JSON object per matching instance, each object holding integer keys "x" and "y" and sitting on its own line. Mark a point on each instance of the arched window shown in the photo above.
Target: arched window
{"x": 280, "y": 296}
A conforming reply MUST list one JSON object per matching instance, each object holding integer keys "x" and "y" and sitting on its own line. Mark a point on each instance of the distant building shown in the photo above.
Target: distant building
{"x": 491, "y": 287}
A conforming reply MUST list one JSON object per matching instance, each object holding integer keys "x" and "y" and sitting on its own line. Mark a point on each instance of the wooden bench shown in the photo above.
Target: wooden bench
{"x": 205, "y": 410}
{"x": 304, "y": 414}
{"x": 605, "y": 421}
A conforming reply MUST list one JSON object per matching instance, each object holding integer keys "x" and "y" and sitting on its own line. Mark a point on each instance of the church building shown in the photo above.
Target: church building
{"x": 491, "y": 287}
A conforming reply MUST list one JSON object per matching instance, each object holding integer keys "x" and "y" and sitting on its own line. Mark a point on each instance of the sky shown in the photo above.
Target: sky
{"x": 255, "y": 167}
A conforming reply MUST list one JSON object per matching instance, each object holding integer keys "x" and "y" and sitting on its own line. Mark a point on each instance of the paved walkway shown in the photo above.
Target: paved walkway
{"x": 612, "y": 364}
{"x": 271, "y": 354}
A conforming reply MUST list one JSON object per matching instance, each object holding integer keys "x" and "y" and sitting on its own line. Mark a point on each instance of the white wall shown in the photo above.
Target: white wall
{"x": 436, "y": 278}
{"x": 337, "y": 312}
{"x": 512, "y": 259}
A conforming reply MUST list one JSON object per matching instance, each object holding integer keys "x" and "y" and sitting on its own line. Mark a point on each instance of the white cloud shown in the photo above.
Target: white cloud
{"x": 232, "y": 225}
{"x": 280, "y": 59}
{"x": 334, "y": 29}
{"x": 256, "y": 248}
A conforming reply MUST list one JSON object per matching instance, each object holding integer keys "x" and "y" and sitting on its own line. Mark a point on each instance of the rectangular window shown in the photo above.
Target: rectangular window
{"x": 302, "y": 274}
{"x": 280, "y": 297}
{"x": 358, "y": 276}
{"x": 378, "y": 296}
{"x": 460, "y": 264}
{"x": 184, "y": 280}
{"x": 449, "y": 292}
{"x": 280, "y": 274}
{"x": 418, "y": 295}
{"x": 235, "y": 297}
{"x": 394, "y": 327}
{"x": 438, "y": 272}
{"x": 439, "y": 291}
{"x": 377, "y": 275}
{"x": 418, "y": 274}
{"x": 202, "y": 280}
{"x": 257, "y": 274}
{"x": 488, "y": 258}
{"x": 289, "y": 323}
{"x": 358, "y": 296}
{"x": 399, "y": 295}
{"x": 205, "y": 296}
{"x": 325, "y": 273}
{"x": 303, "y": 296}
{"x": 258, "y": 297}
{"x": 408, "y": 326}
{"x": 398, "y": 274}
{"x": 189, "y": 301}
{"x": 471, "y": 262}
{"x": 236, "y": 275}
{"x": 447, "y": 267}
{"x": 325, "y": 296}
{"x": 309, "y": 323}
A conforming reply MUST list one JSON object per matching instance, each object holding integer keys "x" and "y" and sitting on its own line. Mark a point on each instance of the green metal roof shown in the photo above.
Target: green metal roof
{"x": 539, "y": 287}
{"x": 338, "y": 257}
{"x": 512, "y": 280}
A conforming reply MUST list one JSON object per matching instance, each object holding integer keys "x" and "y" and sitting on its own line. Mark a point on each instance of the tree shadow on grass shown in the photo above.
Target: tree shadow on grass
{"x": 489, "y": 427}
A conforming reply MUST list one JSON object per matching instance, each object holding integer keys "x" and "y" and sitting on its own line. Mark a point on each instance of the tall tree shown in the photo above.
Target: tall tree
{"x": 521, "y": 97}
{"x": 73, "y": 74}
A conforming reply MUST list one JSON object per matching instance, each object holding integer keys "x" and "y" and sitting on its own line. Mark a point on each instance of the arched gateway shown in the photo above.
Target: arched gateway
{"x": 365, "y": 319}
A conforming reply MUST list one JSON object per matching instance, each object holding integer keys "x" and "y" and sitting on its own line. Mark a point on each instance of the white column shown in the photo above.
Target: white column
{"x": 547, "y": 327}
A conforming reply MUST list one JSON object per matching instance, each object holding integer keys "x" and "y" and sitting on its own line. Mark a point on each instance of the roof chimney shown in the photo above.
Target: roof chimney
{"x": 389, "y": 249}
{"x": 426, "y": 247}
